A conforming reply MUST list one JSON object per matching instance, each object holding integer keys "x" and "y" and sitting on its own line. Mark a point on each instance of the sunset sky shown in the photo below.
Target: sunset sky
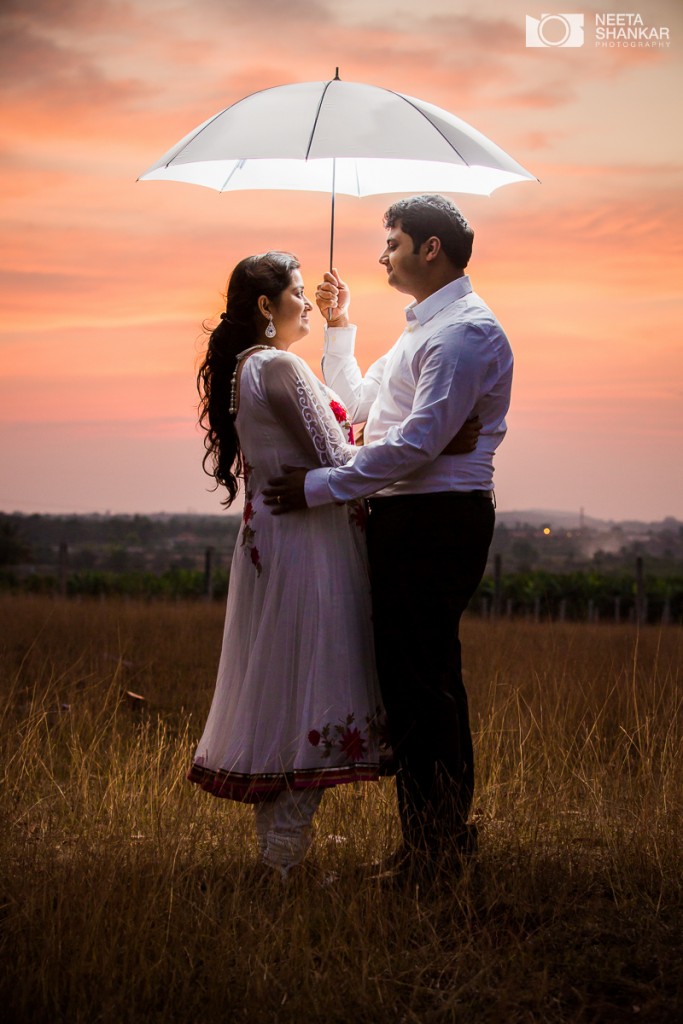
{"x": 105, "y": 281}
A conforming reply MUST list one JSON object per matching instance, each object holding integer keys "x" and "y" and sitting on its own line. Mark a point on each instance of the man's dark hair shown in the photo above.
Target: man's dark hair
{"x": 421, "y": 217}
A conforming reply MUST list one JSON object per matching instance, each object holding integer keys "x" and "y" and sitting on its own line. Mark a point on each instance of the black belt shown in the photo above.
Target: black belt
{"x": 488, "y": 495}
{"x": 473, "y": 494}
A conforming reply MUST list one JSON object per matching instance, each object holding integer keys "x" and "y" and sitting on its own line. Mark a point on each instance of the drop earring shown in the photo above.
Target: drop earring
{"x": 270, "y": 329}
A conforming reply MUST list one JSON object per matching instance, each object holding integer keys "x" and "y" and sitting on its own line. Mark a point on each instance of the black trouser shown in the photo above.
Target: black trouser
{"x": 427, "y": 556}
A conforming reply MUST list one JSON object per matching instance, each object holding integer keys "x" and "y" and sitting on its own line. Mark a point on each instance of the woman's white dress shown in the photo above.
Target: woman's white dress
{"x": 297, "y": 702}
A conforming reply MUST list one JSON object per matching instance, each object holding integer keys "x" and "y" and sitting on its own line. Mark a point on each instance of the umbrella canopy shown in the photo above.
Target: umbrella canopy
{"x": 337, "y": 137}
{"x": 372, "y": 140}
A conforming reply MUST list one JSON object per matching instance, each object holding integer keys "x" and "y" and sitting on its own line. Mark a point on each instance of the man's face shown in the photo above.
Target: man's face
{"x": 402, "y": 264}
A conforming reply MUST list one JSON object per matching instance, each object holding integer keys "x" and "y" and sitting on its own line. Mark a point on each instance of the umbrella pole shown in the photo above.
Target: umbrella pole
{"x": 334, "y": 173}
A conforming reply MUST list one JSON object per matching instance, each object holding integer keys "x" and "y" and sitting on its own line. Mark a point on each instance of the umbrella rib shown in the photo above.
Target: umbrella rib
{"x": 208, "y": 124}
{"x": 315, "y": 119}
{"x": 196, "y": 135}
{"x": 238, "y": 163}
{"x": 434, "y": 126}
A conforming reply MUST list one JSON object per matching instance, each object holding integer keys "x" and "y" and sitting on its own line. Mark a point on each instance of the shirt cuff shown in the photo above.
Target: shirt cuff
{"x": 340, "y": 341}
{"x": 316, "y": 488}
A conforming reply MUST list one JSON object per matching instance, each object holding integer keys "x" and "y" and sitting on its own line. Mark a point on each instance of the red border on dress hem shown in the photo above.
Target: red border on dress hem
{"x": 252, "y": 789}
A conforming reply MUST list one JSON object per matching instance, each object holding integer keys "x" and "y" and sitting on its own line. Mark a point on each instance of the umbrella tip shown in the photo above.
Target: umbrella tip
{"x": 336, "y": 75}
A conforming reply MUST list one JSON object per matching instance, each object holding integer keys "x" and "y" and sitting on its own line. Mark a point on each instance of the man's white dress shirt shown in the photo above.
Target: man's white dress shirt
{"x": 452, "y": 361}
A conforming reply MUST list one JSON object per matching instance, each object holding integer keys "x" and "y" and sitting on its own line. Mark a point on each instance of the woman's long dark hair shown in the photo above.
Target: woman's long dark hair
{"x": 240, "y": 327}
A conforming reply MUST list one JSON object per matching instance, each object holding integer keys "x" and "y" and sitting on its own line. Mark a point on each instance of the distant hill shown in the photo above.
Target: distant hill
{"x": 529, "y": 516}
{"x": 572, "y": 520}
{"x": 547, "y": 516}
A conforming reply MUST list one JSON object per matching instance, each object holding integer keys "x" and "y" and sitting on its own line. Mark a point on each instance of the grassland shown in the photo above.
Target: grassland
{"x": 127, "y": 895}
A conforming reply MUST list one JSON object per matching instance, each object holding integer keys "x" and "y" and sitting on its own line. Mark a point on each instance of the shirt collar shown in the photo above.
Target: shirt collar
{"x": 434, "y": 303}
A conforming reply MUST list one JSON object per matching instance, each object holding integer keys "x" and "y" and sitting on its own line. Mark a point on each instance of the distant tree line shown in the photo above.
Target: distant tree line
{"x": 173, "y": 584}
{"x": 583, "y": 596}
{"x": 188, "y": 557}
{"x": 540, "y": 595}
{"x": 114, "y": 544}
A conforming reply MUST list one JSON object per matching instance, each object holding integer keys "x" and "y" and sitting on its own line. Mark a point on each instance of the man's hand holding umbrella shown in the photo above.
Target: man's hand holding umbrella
{"x": 333, "y": 298}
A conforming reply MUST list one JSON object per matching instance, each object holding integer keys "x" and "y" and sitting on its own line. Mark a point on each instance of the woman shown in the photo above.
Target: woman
{"x": 297, "y": 706}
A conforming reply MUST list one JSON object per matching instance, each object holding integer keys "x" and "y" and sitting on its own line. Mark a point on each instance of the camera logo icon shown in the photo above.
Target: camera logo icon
{"x": 555, "y": 30}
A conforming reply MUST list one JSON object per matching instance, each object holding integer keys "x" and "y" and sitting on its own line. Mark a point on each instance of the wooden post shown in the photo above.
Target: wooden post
{"x": 508, "y": 608}
{"x": 62, "y": 567}
{"x": 497, "y": 585}
{"x": 666, "y": 611}
{"x": 563, "y": 609}
{"x": 537, "y": 609}
{"x": 617, "y": 609}
{"x": 591, "y": 606}
{"x": 208, "y": 574}
{"x": 641, "y": 607}
{"x": 484, "y": 608}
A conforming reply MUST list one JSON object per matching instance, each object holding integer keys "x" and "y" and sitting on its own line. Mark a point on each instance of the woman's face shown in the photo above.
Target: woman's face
{"x": 290, "y": 312}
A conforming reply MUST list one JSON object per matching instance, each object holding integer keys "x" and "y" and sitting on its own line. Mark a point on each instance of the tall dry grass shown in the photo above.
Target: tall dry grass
{"x": 127, "y": 894}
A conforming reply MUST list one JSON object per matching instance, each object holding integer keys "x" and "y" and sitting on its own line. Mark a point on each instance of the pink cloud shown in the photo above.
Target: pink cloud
{"x": 86, "y": 397}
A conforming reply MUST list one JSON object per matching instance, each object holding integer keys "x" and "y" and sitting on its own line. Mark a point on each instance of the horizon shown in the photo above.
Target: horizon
{"x": 105, "y": 281}
{"x": 236, "y": 513}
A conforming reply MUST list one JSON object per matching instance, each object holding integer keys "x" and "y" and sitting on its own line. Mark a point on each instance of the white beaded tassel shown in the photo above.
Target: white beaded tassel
{"x": 232, "y": 408}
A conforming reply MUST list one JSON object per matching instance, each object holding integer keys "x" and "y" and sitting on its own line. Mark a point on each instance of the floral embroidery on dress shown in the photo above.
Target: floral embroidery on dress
{"x": 342, "y": 418}
{"x": 248, "y": 533}
{"x": 348, "y": 739}
{"x": 329, "y": 441}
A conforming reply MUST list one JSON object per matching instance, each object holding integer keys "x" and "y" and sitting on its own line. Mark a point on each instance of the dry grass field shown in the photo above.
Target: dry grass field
{"x": 126, "y": 893}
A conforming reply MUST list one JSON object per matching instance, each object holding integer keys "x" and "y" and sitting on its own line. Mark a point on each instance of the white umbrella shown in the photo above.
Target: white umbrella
{"x": 340, "y": 137}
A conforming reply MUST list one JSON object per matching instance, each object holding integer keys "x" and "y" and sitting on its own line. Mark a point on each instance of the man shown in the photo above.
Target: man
{"x": 431, "y": 514}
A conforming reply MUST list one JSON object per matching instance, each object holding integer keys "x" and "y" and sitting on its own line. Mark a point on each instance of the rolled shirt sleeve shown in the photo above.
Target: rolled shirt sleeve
{"x": 342, "y": 372}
